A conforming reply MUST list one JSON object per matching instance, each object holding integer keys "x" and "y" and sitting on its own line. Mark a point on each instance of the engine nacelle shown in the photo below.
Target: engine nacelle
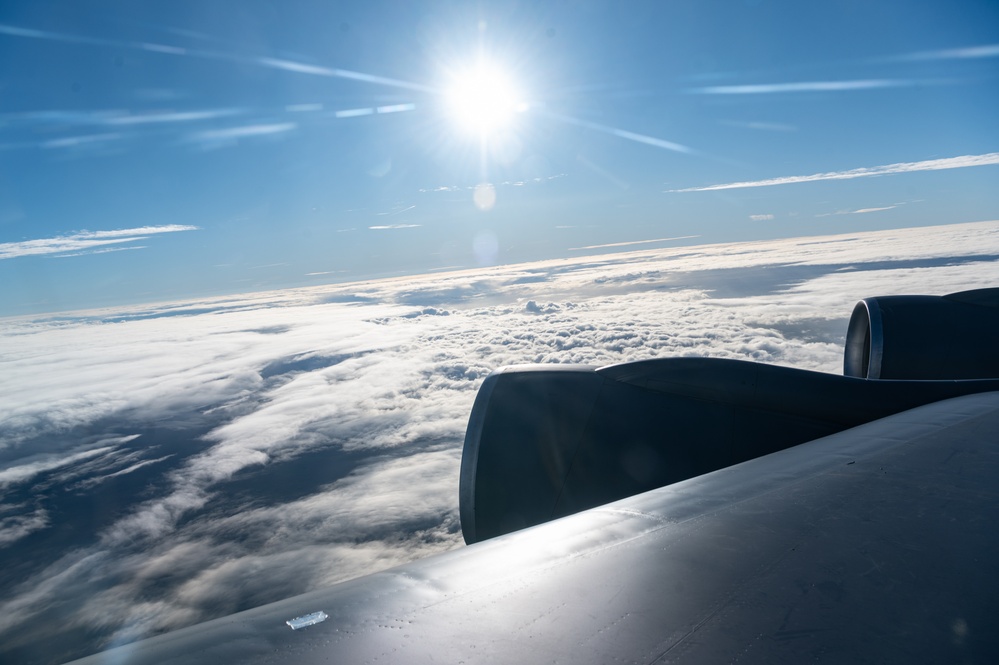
{"x": 925, "y": 337}
{"x": 544, "y": 441}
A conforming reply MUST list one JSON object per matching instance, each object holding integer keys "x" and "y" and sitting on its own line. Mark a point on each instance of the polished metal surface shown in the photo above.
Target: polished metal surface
{"x": 876, "y": 544}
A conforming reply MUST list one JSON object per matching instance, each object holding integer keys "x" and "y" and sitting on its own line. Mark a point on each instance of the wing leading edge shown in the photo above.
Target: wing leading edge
{"x": 874, "y": 544}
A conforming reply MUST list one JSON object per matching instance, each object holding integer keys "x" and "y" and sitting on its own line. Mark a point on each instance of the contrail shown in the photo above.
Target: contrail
{"x": 166, "y": 49}
{"x": 864, "y": 172}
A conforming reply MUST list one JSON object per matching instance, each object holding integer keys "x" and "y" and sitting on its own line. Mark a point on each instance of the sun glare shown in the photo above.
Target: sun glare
{"x": 483, "y": 99}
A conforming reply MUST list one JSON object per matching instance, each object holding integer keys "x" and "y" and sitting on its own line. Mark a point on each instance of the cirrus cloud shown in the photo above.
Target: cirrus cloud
{"x": 84, "y": 240}
{"x": 964, "y": 161}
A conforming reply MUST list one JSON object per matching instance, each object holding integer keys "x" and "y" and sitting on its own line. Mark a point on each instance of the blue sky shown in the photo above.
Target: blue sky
{"x": 151, "y": 153}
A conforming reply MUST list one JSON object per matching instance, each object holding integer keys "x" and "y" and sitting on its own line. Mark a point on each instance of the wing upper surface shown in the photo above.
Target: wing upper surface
{"x": 874, "y": 544}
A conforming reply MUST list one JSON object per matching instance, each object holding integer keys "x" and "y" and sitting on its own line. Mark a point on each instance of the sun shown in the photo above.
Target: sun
{"x": 483, "y": 99}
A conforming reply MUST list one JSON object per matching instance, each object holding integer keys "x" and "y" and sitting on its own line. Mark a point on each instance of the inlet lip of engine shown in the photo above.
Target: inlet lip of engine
{"x": 470, "y": 456}
{"x": 496, "y": 429}
{"x": 864, "y": 341}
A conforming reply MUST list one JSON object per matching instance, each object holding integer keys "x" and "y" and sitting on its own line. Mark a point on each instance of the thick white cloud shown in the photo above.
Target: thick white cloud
{"x": 378, "y": 378}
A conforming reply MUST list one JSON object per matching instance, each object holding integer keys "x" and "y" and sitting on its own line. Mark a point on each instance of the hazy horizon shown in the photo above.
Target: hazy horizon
{"x": 162, "y": 465}
{"x": 638, "y": 247}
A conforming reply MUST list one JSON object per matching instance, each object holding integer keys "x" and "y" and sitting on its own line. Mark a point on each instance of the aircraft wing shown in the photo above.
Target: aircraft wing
{"x": 878, "y": 543}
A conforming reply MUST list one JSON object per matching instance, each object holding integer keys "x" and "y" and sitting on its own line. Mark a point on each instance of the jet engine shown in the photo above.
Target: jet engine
{"x": 925, "y": 337}
{"x": 544, "y": 441}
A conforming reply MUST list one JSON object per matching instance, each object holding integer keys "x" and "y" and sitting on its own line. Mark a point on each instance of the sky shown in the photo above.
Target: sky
{"x": 151, "y": 153}
{"x": 256, "y": 258}
{"x": 162, "y": 465}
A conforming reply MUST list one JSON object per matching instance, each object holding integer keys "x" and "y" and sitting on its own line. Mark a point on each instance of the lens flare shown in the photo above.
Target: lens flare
{"x": 484, "y": 196}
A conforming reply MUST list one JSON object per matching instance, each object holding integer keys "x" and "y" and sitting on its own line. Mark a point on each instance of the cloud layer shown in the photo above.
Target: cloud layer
{"x": 161, "y": 466}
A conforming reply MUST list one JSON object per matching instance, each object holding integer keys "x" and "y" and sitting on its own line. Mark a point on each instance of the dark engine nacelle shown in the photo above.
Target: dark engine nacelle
{"x": 925, "y": 337}
{"x": 545, "y": 441}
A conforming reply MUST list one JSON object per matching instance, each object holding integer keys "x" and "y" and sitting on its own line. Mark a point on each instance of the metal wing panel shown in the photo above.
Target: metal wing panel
{"x": 875, "y": 544}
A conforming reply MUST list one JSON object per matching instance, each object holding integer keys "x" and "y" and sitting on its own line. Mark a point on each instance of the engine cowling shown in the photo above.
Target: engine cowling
{"x": 545, "y": 441}
{"x": 925, "y": 337}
